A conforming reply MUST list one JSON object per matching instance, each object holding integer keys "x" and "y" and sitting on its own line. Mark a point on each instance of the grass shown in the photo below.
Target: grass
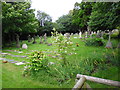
{"x": 12, "y": 74}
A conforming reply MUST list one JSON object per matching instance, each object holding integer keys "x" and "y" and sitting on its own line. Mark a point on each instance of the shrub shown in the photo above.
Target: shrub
{"x": 94, "y": 42}
{"x": 38, "y": 61}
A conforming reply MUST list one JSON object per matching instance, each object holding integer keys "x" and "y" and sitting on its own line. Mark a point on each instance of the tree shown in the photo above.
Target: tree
{"x": 81, "y": 14}
{"x": 64, "y": 23}
{"x": 105, "y": 16}
{"x": 18, "y": 18}
{"x": 45, "y": 22}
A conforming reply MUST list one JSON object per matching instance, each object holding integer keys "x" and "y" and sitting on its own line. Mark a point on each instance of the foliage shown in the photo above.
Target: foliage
{"x": 64, "y": 45}
{"x": 64, "y": 24}
{"x": 45, "y": 22}
{"x": 94, "y": 42}
{"x": 112, "y": 58}
{"x": 104, "y": 16}
{"x": 38, "y": 61}
{"x": 17, "y": 18}
{"x": 81, "y": 14}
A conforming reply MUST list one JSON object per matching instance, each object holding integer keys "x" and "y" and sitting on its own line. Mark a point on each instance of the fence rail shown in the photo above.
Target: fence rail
{"x": 83, "y": 78}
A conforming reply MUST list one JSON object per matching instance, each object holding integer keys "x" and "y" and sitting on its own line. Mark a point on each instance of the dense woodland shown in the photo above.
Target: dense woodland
{"x": 19, "y": 19}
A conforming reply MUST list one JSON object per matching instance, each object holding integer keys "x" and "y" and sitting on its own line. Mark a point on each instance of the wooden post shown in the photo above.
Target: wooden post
{"x": 100, "y": 80}
{"x": 79, "y": 84}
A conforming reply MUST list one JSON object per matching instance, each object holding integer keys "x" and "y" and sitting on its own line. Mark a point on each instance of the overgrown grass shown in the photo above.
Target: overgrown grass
{"x": 88, "y": 60}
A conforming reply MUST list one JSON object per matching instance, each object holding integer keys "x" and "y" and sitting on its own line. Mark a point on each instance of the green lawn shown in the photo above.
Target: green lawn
{"x": 12, "y": 74}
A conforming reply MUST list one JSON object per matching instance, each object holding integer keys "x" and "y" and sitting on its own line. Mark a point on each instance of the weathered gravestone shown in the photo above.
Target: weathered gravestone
{"x": 34, "y": 39}
{"x": 109, "y": 44}
{"x": 41, "y": 40}
{"x": 29, "y": 39}
{"x": 24, "y": 46}
{"x": 67, "y": 35}
{"x": 80, "y": 35}
{"x": 86, "y": 34}
{"x": 45, "y": 38}
{"x": 17, "y": 41}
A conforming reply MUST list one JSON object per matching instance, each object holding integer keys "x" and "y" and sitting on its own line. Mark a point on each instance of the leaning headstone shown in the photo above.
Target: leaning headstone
{"x": 109, "y": 44}
{"x": 17, "y": 41}
{"x": 24, "y": 46}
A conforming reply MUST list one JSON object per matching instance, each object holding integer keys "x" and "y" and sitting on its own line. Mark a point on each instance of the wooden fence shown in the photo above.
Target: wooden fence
{"x": 82, "y": 84}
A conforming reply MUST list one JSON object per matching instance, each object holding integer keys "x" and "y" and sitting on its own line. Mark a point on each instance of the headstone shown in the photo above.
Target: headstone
{"x": 24, "y": 46}
{"x": 86, "y": 34}
{"x": 29, "y": 38}
{"x": 109, "y": 44}
{"x": 45, "y": 38}
{"x": 80, "y": 35}
{"x": 17, "y": 41}
{"x": 71, "y": 34}
{"x": 41, "y": 39}
{"x": 67, "y": 35}
{"x": 91, "y": 34}
{"x": 98, "y": 34}
{"x": 34, "y": 39}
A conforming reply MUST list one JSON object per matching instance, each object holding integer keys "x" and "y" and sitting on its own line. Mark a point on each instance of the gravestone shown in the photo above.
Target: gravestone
{"x": 34, "y": 39}
{"x": 24, "y": 46}
{"x": 45, "y": 38}
{"x": 80, "y": 35}
{"x": 102, "y": 33}
{"x": 29, "y": 38}
{"x": 17, "y": 41}
{"x": 86, "y": 34}
{"x": 99, "y": 34}
{"x": 71, "y": 34}
{"x": 109, "y": 44}
{"x": 67, "y": 35}
{"x": 41, "y": 40}
{"x": 91, "y": 34}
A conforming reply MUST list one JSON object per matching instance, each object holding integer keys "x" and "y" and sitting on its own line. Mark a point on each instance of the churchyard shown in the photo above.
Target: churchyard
{"x": 40, "y": 52}
{"x": 97, "y": 61}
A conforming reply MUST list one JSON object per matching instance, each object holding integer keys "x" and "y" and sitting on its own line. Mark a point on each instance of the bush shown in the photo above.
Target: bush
{"x": 38, "y": 61}
{"x": 94, "y": 42}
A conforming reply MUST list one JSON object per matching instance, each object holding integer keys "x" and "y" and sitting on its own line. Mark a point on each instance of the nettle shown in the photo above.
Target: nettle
{"x": 38, "y": 61}
{"x": 64, "y": 46}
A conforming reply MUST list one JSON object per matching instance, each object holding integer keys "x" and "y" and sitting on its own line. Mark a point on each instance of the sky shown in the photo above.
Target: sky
{"x": 54, "y": 8}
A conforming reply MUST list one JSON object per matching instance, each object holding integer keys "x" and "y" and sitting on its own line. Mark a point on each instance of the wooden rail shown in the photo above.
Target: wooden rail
{"x": 83, "y": 78}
